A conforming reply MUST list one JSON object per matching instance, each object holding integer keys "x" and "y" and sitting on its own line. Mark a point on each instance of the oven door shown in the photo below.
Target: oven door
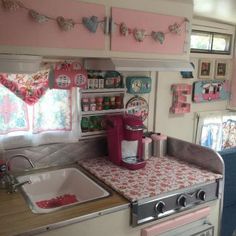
{"x": 201, "y": 228}
{"x": 191, "y": 224}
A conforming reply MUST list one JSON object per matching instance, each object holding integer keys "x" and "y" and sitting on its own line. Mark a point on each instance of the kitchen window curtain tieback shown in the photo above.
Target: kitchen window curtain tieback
{"x": 30, "y": 88}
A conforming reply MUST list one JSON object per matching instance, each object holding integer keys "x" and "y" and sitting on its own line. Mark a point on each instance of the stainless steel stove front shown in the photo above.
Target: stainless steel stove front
{"x": 147, "y": 211}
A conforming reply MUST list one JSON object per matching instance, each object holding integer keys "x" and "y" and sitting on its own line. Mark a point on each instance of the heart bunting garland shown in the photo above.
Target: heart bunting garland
{"x": 139, "y": 34}
{"x": 11, "y": 5}
{"x": 91, "y": 23}
{"x": 124, "y": 31}
{"x": 158, "y": 36}
{"x": 37, "y": 17}
{"x": 175, "y": 28}
{"x": 65, "y": 24}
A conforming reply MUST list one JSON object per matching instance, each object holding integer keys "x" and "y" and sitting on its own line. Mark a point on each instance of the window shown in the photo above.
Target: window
{"x": 210, "y": 42}
{"x": 52, "y": 119}
{"x": 216, "y": 130}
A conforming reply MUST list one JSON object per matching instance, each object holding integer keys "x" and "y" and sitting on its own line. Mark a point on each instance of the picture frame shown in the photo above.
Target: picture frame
{"x": 221, "y": 69}
{"x": 205, "y": 69}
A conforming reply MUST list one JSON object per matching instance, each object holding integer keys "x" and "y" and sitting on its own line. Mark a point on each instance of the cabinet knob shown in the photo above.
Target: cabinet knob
{"x": 160, "y": 207}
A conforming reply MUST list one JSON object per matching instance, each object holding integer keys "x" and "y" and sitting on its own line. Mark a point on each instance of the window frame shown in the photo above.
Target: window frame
{"x": 211, "y": 51}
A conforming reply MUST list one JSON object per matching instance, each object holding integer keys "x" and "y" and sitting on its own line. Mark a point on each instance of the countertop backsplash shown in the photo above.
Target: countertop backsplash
{"x": 55, "y": 154}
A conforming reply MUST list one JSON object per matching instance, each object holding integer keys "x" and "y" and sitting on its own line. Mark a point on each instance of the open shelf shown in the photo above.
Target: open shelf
{"x": 107, "y": 90}
{"x": 103, "y": 112}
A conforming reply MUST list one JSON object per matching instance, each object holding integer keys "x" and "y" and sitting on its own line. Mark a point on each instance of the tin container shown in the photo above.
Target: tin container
{"x": 147, "y": 148}
{"x": 159, "y": 145}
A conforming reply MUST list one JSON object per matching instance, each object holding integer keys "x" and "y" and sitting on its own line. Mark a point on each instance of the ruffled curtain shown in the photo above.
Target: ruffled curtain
{"x": 53, "y": 119}
{"x": 30, "y": 88}
{"x": 216, "y": 130}
{"x": 13, "y": 113}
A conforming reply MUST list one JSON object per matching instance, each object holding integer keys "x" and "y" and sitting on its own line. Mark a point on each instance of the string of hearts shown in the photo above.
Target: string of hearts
{"x": 158, "y": 36}
{"x": 91, "y": 23}
{"x": 65, "y": 24}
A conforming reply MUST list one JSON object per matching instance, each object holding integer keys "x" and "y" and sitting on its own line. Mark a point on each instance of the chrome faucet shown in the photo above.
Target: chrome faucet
{"x": 7, "y": 180}
{"x": 22, "y": 156}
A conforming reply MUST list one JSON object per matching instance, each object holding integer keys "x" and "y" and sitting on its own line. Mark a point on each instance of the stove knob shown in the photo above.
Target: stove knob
{"x": 182, "y": 201}
{"x": 160, "y": 207}
{"x": 201, "y": 195}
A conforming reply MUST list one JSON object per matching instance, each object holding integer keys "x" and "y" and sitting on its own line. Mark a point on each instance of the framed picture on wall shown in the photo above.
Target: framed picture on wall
{"x": 221, "y": 69}
{"x": 205, "y": 69}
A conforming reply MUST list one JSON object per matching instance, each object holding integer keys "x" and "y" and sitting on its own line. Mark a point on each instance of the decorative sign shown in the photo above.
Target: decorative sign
{"x": 137, "y": 106}
{"x": 179, "y": 101}
{"x": 138, "y": 84}
{"x": 68, "y": 75}
{"x": 210, "y": 90}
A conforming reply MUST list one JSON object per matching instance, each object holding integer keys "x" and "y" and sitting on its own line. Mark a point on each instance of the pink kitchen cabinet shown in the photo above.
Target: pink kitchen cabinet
{"x": 22, "y": 35}
{"x": 19, "y": 30}
{"x": 174, "y": 43}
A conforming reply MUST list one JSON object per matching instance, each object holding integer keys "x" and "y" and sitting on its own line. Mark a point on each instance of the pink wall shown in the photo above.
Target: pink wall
{"x": 18, "y": 29}
{"x": 173, "y": 44}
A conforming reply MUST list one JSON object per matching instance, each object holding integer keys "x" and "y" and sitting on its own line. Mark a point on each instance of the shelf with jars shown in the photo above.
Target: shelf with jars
{"x": 104, "y": 96}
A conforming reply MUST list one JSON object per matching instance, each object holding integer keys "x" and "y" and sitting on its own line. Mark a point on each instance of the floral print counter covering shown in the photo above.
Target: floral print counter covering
{"x": 160, "y": 175}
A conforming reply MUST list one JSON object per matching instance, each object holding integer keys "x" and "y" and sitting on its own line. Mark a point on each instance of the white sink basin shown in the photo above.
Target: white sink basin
{"x": 52, "y": 190}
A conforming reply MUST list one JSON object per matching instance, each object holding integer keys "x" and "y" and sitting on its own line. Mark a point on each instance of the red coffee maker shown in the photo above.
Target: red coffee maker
{"x": 124, "y": 139}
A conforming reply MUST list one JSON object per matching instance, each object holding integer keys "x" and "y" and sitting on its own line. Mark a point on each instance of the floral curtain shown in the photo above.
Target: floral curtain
{"x": 30, "y": 88}
{"x": 216, "y": 130}
{"x": 53, "y": 112}
{"x": 13, "y": 113}
{"x": 53, "y": 119}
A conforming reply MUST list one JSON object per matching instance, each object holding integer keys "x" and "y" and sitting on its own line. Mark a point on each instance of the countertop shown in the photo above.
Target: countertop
{"x": 17, "y": 218}
{"x": 160, "y": 175}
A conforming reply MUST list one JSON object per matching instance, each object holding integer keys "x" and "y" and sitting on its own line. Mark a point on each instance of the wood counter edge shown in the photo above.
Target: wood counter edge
{"x": 17, "y": 219}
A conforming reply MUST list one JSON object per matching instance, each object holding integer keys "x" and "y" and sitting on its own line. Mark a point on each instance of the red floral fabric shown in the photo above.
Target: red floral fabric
{"x": 160, "y": 175}
{"x": 28, "y": 87}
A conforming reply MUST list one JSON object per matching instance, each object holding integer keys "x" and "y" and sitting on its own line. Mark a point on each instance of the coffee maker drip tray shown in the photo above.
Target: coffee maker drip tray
{"x": 132, "y": 163}
{"x": 130, "y": 160}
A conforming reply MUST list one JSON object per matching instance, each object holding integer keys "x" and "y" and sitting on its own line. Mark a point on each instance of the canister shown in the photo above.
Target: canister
{"x": 147, "y": 148}
{"x": 159, "y": 145}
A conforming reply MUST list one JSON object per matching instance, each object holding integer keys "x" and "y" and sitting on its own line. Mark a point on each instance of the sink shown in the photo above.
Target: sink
{"x": 52, "y": 190}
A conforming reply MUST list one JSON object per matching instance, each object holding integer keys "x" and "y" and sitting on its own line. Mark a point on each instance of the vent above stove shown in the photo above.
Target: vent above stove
{"x": 137, "y": 65}
{"x": 19, "y": 64}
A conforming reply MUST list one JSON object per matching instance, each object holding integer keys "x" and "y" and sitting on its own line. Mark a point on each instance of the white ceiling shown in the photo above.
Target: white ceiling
{"x": 220, "y": 10}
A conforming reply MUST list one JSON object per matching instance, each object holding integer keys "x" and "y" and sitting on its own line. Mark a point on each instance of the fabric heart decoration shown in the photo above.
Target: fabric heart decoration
{"x": 158, "y": 36}
{"x": 37, "y": 17}
{"x": 124, "y": 29}
{"x": 139, "y": 34}
{"x": 65, "y": 24}
{"x": 90, "y": 23}
{"x": 11, "y": 5}
{"x": 175, "y": 28}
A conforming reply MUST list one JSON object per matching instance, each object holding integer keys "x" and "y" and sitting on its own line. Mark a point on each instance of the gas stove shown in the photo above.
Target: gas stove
{"x": 147, "y": 210}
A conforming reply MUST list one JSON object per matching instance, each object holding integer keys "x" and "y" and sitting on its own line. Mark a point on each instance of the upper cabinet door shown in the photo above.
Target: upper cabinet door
{"x": 138, "y": 22}
{"x": 19, "y": 29}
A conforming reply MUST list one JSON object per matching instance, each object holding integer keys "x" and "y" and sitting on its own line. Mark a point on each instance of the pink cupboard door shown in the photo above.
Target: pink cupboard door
{"x": 19, "y": 29}
{"x": 173, "y": 43}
